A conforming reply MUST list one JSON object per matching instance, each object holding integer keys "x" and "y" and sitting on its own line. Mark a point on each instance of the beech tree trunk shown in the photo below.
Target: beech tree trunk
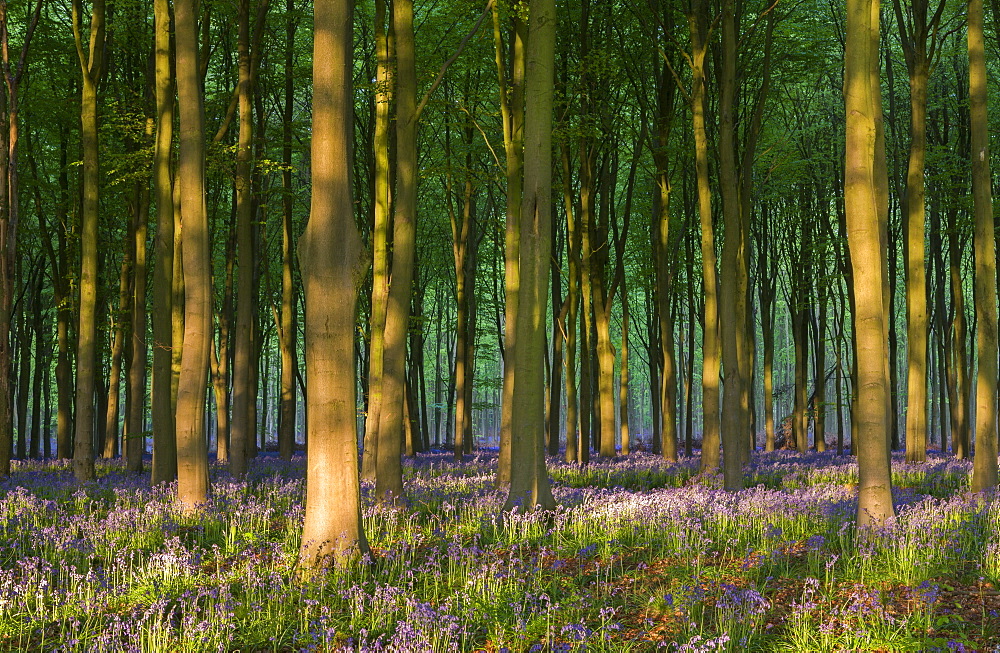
{"x": 333, "y": 263}
{"x": 867, "y": 243}
{"x": 710, "y": 442}
{"x": 529, "y": 483}
{"x": 389, "y": 471}
{"x": 164, "y": 442}
{"x": 984, "y": 466}
{"x": 287, "y": 335}
{"x": 192, "y": 451}
{"x": 86, "y": 351}
{"x": 241, "y": 430}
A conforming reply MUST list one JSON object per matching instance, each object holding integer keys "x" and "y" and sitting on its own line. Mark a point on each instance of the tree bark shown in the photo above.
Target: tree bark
{"x": 241, "y": 430}
{"x": 91, "y": 69}
{"x": 866, "y": 240}
{"x": 512, "y": 116}
{"x": 121, "y": 315}
{"x": 333, "y": 263}
{"x": 135, "y": 444}
{"x": 192, "y": 452}
{"x": 380, "y": 238}
{"x": 735, "y": 423}
{"x": 286, "y": 423}
{"x": 164, "y": 443}
{"x": 389, "y": 471}
{"x": 984, "y": 466}
{"x": 698, "y": 23}
{"x": 529, "y": 483}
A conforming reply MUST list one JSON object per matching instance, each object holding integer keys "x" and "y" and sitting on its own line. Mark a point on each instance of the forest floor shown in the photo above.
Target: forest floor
{"x": 641, "y": 555}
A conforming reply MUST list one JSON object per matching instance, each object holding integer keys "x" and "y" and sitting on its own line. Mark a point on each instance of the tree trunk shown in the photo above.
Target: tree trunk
{"x": 91, "y": 69}
{"x": 389, "y": 471}
{"x": 287, "y": 335}
{"x": 573, "y": 303}
{"x": 866, "y": 241}
{"x": 135, "y": 444}
{"x": 529, "y": 482}
{"x": 559, "y": 309}
{"x": 984, "y": 470}
{"x": 512, "y": 115}
{"x": 624, "y": 380}
{"x": 192, "y": 451}
{"x": 710, "y": 442}
{"x": 333, "y": 262}
{"x": 164, "y": 442}
{"x": 732, "y": 286}
{"x": 121, "y": 314}
{"x": 241, "y": 430}
{"x": 42, "y": 359}
{"x": 380, "y": 239}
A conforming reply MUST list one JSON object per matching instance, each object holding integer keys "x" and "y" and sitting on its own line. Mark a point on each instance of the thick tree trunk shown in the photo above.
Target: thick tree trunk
{"x": 732, "y": 285}
{"x": 333, "y": 264}
{"x": 91, "y": 69}
{"x": 192, "y": 451}
{"x": 866, "y": 240}
{"x": 164, "y": 442}
{"x": 512, "y": 115}
{"x": 389, "y": 471}
{"x": 916, "y": 285}
{"x": 710, "y": 442}
{"x": 529, "y": 482}
{"x": 984, "y": 470}
{"x": 241, "y": 430}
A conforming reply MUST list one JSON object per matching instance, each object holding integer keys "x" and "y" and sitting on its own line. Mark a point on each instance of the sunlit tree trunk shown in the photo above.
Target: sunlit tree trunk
{"x": 333, "y": 263}
{"x": 511, "y": 89}
{"x": 710, "y": 442}
{"x": 866, "y": 240}
{"x": 984, "y": 469}
{"x": 91, "y": 66}
{"x": 529, "y": 483}
{"x": 389, "y": 471}
{"x": 192, "y": 452}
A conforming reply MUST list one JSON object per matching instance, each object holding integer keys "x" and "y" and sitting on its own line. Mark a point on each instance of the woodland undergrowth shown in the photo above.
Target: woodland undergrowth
{"x": 641, "y": 555}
